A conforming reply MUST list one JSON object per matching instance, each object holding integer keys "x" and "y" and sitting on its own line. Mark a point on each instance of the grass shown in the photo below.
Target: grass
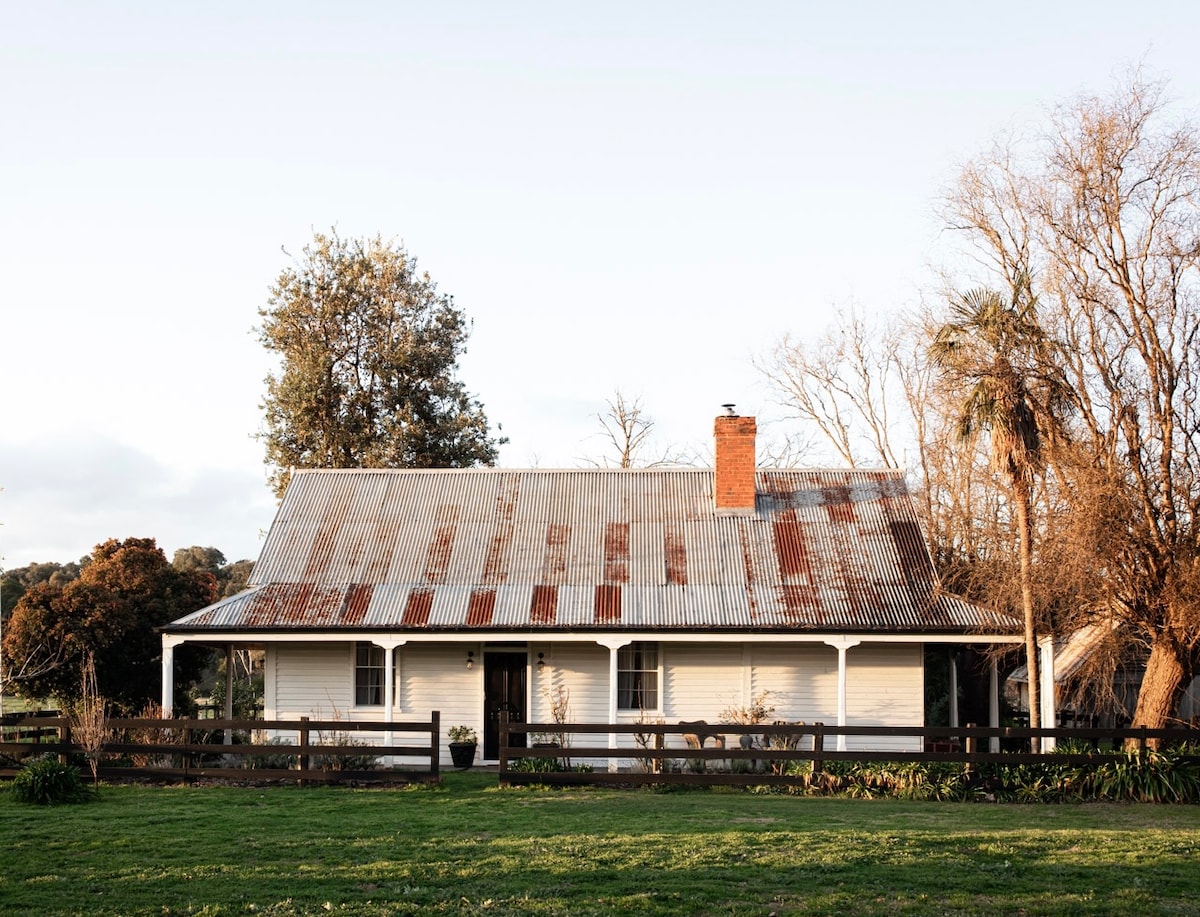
{"x": 467, "y": 848}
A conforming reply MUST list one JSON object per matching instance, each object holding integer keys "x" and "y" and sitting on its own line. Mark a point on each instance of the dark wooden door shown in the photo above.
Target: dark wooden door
{"x": 504, "y": 675}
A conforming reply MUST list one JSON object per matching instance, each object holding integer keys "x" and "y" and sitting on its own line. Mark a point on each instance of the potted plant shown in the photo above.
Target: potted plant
{"x": 463, "y": 743}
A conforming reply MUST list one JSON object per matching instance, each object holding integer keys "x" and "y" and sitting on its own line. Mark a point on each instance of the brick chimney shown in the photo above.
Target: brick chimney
{"x": 733, "y": 479}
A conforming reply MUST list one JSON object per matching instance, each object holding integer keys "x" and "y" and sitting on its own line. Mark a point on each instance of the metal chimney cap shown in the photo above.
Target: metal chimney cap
{"x": 729, "y": 410}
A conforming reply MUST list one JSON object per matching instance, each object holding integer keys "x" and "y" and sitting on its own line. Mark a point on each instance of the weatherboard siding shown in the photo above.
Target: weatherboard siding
{"x": 701, "y": 681}
{"x": 885, "y": 686}
{"x": 436, "y": 677}
{"x": 798, "y": 679}
{"x": 581, "y": 671}
{"x": 311, "y": 679}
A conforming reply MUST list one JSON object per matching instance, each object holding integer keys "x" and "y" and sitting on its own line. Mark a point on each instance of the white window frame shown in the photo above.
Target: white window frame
{"x": 627, "y": 657}
{"x": 362, "y": 673}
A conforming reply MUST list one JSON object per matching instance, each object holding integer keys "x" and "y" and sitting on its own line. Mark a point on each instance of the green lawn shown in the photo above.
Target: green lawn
{"x": 468, "y": 847}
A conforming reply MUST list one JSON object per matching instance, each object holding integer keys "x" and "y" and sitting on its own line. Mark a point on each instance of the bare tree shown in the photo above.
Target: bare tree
{"x": 626, "y": 429}
{"x": 1106, "y": 218}
{"x": 89, "y": 718}
{"x": 844, "y": 387}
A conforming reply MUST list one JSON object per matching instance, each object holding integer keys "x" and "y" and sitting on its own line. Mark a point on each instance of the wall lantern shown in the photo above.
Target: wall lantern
{"x": 470, "y": 659}
{"x": 541, "y": 661}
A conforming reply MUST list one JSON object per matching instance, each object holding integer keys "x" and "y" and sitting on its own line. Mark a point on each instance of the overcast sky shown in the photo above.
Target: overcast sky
{"x": 640, "y": 196}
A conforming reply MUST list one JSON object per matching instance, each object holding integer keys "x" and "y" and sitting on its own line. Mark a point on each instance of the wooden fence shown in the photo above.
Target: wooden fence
{"x": 303, "y": 750}
{"x": 714, "y": 754}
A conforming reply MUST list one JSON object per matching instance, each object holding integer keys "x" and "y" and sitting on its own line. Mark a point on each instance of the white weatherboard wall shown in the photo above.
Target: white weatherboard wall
{"x": 885, "y": 684}
{"x": 798, "y": 679}
{"x": 581, "y": 671}
{"x": 701, "y": 680}
{"x": 436, "y": 677}
{"x": 309, "y": 679}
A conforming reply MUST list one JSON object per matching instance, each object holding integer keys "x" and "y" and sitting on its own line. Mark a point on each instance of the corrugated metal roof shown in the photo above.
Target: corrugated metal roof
{"x": 600, "y": 549}
{"x": 1071, "y": 653}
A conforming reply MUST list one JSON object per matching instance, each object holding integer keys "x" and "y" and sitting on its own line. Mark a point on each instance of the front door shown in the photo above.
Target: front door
{"x": 503, "y": 691}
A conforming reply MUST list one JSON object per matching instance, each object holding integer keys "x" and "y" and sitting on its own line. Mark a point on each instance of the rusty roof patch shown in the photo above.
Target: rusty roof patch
{"x": 675, "y": 551}
{"x": 554, "y": 559}
{"x": 481, "y": 608}
{"x": 801, "y": 603}
{"x": 792, "y": 547}
{"x": 838, "y": 504}
{"x": 495, "y": 563}
{"x": 608, "y": 604}
{"x": 357, "y": 602}
{"x": 616, "y": 552}
{"x": 437, "y": 559}
{"x": 544, "y": 606}
{"x": 417, "y": 608}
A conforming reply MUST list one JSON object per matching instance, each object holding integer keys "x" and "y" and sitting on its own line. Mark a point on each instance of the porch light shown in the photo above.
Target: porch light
{"x": 470, "y": 659}
{"x": 541, "y": 663}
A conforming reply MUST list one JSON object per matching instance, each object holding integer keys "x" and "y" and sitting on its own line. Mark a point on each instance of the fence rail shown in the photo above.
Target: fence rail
{"x": 701, "y": 753}
{"x": 303, "y": 749}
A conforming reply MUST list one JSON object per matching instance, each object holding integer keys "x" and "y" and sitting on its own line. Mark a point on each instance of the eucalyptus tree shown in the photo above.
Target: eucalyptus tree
{"x": 369, "y": 351}
{"x": 994, "y": 351}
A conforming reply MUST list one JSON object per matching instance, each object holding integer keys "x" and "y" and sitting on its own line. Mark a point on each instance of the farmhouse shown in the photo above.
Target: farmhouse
{"x": 667, "y": 593}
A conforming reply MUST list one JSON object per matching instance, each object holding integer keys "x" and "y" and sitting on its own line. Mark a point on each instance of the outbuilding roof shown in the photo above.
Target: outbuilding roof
{"x": 461, "y": 550}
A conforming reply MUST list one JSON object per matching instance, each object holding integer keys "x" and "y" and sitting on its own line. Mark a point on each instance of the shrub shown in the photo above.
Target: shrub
{"x": 282, "y": 761}
{"x": 548, "y": 766}
{"x": 1147, "y": 776}
{"x": 340, "y": 762}
{"x": 46, "y": 781}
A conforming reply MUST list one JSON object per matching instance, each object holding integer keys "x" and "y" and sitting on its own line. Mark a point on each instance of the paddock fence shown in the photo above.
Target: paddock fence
{"x": 303, "y": 750}
{"x": 700, "y": 753}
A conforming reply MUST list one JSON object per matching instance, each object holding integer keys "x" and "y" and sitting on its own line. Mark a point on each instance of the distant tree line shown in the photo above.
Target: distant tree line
{"x": 106, "y": 607}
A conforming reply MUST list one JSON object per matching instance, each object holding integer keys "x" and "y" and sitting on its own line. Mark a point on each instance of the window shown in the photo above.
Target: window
{"x": 637, "y": 677}
{"x": 368, "y": 675}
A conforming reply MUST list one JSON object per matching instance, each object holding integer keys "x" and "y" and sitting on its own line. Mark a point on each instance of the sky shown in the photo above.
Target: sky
{"x": 642, "y": 197}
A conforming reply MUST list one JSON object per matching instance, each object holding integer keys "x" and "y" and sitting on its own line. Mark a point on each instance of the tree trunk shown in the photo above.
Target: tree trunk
{"x": 1023, "y": 499}
{"x": 1161, "y": 685}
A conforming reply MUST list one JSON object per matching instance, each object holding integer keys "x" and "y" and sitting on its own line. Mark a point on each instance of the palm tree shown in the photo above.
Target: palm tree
{"x": 996, "y": 350}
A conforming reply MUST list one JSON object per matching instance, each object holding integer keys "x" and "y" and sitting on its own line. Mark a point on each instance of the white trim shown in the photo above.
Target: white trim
{"x": 168, "y": 677}
{"x": 841, "y": 644}
{"x": 1048, "y": 702}
{"x": 613, "y": 680}
{"x": 994, "y": 703}
{"x": 659, "y": 684}
{"x": 953, "y": 688}
{"x": 354, "y": 667}
{"x": 607, "y": 639}
{"x": 747, "y": 674}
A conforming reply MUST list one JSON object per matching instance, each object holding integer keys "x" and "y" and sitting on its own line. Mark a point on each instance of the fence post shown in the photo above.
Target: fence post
{"x": 64, "y": 737}
{"x": 187, "y": 752}
{"x": 435, "y": 749}
{"x": 818, "y": 759}
{"x": 503, "y": 747}
{"x": 969, "y": 745}
{"x": 302, "y": 747}
{"x": 660, "y": 742}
